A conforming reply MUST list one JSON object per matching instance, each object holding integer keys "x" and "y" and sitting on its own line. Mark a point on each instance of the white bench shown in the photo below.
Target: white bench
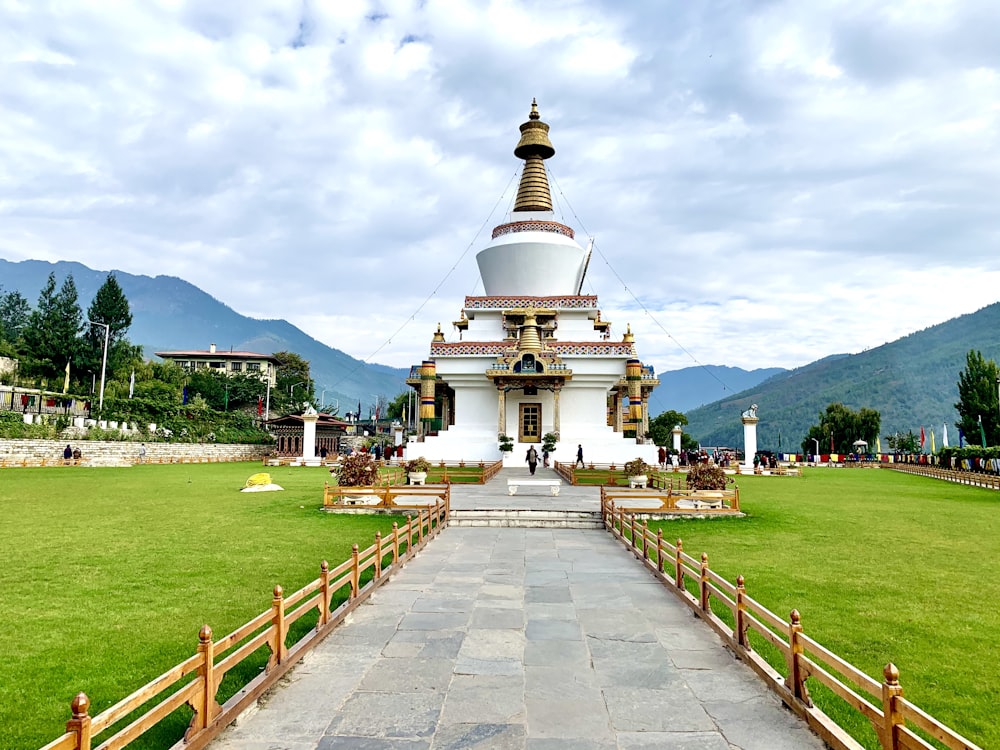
{"x": 552, "y": 484}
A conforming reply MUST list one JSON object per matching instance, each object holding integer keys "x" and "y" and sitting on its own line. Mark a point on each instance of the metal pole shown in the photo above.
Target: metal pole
{"x": 104, "y": 361}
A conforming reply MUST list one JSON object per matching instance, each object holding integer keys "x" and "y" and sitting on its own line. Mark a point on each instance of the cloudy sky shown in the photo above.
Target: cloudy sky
{"x": 767, "y": 182}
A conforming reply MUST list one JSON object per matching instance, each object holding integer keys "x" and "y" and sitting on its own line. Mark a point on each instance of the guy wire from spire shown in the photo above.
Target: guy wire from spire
{"x": 436, "y": 288}
{"x": 630, "y": 293}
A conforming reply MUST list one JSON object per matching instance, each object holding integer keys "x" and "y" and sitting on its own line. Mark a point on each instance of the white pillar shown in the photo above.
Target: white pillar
{"x": 677, "y": 432}
{"x": 309, "y": 436}
{"x": 749, "y": 440}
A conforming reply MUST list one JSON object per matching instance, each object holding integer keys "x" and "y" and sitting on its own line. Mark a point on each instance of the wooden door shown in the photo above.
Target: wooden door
{"x": 530, "y": 423}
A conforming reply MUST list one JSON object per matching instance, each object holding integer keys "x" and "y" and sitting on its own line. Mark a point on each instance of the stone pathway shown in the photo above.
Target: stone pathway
{"x": 544, "y": 639}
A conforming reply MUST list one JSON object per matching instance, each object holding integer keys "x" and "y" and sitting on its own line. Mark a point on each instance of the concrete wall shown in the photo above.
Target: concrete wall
{"x": 115, "y": 453}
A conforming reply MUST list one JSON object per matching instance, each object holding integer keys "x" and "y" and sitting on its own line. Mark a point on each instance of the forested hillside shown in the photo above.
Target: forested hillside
{"x": 911, "y": 381}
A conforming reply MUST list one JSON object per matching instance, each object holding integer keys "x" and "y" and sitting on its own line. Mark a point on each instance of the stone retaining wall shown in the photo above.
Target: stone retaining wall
{"x": 125, "y": 453}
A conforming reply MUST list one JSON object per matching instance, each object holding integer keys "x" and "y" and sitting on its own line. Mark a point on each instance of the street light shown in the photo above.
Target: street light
{"x": 816, "y": 440}
{"x": 292, "y": 387}
{"x": 104, "y": 361}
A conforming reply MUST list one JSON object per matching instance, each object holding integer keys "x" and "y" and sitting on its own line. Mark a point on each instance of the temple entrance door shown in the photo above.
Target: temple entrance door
{"x": 530, "y": 423}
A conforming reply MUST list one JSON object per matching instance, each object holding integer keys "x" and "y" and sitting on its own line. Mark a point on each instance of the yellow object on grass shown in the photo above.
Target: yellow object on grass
{"x": 258, "y": 479}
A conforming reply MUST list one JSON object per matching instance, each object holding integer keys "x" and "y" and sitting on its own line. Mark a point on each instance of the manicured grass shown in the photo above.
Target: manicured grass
{"x": 108, "y": 574}
{"x": 883, "y": 567}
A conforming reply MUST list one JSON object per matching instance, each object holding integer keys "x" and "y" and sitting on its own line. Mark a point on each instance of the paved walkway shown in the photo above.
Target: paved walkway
{"x": 521, "y": 638}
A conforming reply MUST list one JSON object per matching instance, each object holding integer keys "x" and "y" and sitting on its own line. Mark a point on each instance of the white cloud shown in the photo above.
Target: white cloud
{"x": 776, "y": 182}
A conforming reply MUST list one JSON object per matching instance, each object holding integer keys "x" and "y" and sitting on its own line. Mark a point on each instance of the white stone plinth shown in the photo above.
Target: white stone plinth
{"x": 309, "y": 436}
{"x": 749, "y": 441}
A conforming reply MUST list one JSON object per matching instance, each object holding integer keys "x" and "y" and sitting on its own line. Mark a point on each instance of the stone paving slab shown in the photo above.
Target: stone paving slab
{"x": 533, "y": 639}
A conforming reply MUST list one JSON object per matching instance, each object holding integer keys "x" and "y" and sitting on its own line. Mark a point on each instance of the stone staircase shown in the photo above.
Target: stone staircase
{"x": 527, "y": 519}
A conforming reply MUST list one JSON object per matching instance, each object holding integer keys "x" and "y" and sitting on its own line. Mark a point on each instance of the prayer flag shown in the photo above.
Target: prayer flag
{"x": 923, "y": 438}
{"x": 982, "y": 432}
{"x": 185, "y": 394}
{"x": 878, "y": 445}
{"x": 961, "y": 438}
{"x": 932, "y": 442}
{"x": 260, "y": 405}
{"x": 944, "y": 435}
{"x": 131, "y": 384}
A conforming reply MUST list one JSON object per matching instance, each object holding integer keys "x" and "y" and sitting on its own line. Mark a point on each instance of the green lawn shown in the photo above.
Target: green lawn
{"x": 882, "y": 567}
{"x": 108, "y": 574}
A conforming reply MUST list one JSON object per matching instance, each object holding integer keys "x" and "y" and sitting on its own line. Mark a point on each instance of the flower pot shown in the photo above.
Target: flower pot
{"x": 639, "y": 480}
{"x": 417, "y": 477}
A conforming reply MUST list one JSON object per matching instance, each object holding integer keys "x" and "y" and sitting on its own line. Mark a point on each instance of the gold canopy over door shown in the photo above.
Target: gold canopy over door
{"x": 530, "y": 423}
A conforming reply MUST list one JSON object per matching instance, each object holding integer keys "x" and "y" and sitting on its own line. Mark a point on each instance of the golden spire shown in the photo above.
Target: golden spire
{"x": 534, "y": 147}
{"x": 628, "y": 338}
{"x": 438, "y": 335}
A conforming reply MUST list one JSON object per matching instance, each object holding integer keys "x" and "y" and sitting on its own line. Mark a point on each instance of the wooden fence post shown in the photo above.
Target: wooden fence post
{"x": 679, "y": 566}
{"x": 278, "y": 649}
{"x": 703, "y": 583}
{"x": 659, "y": 550}
{"x": 324, "y": 584}
{"x": 355, "y": 572}
{"x": 80, "y": 723}
{"x": 378, "y": 555}
{"x": 741, "y": 614}
{"x": 420, "y": 527}
{"x": 207, "y": 708}
{"x": 795, "y": 681}
{"x": 395, "y": 543}
{"x": 892, "y": 716}
{"x": 645, "y": 543}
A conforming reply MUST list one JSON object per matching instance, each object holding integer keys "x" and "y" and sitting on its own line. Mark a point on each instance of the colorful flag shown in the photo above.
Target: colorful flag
{"x": 131, "y": 384}
{"x": 878, "y": 445}
{"x": 185, "y": 394}
{"x": 260, "y": 405}
{"x": 933, "y": 450}
{"x": 982, "y": 432}
{"x": 961, "y": 438}
{"x": 944, "y": 435}
{"x": 923, "y": 438}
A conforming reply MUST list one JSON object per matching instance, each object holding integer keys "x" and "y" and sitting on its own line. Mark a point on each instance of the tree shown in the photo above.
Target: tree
{"x": 14, "y": 314}
{"x": 109, "y": 306}
{"x": 51, "y": 336}
{"x": 978, "y": 397}
{"x": 662, "y": 426}
{"x": 839, "y": 427}
{"x": 293, "y": 383}
{"x": 395, "y": 408}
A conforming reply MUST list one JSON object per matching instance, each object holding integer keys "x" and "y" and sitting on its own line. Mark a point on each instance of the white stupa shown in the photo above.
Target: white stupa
{"x": 533, "y": 356}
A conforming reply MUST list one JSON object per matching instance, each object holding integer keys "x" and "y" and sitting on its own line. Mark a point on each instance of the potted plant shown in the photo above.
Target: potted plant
{"x": 707, "y": 477}
{"x": 636, "y": 471}
{"x": 506, "y": 443}
{"x": 416, "y": 470}
{"x": 358, "y": 470}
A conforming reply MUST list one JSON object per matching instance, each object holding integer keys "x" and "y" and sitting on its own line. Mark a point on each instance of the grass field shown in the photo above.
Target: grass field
{"x": 108, "y": 574}
{"x": 883, "y": 567}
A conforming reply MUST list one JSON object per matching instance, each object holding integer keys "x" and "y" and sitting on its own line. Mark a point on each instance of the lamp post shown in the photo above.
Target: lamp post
{"x": 816, "y": 456}
{"x": 104, "y": 361}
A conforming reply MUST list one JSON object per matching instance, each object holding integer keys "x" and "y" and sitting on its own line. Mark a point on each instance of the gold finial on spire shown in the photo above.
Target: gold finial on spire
{"x": 628, "y": 338}
{"x": 438, "y": 335}
{"x": 534, "y": 147}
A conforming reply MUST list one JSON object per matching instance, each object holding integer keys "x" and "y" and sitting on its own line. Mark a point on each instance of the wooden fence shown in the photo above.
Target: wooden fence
{"x": 196, "y": 681}
{"x": 715, "y": 502}
{"x": 894, "y": 719}
{"x": 390, "y": 497}
{"x": 971, "y": 478}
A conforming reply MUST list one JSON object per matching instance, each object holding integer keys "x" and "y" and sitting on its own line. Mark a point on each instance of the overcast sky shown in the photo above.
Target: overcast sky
{"x": 773, "y": 181}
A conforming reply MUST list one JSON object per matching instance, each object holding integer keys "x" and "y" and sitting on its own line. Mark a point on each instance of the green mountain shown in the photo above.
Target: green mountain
{"x": 690, "y": 387}
{"x": 168, "y": 313}
{"x": 912, "y": 382}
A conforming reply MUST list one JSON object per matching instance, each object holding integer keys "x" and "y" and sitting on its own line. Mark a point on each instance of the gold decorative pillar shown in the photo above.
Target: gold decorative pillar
{"x": 501, "y": 411}
{"x": 633, "y": 377}
{"x": 428, "y": 378}
{"x": 555, "y": 409}
{"x": 618, "y": 411}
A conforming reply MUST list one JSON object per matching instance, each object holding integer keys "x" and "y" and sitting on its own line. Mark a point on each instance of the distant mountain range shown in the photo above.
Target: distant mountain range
{"x": 912, "y": 382}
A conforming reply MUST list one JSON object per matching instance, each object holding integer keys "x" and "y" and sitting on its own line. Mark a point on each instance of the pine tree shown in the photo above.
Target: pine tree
{"x": 14, "y": 314}
{"x": 51, "y": 336}
{"x": 111, "y": 307}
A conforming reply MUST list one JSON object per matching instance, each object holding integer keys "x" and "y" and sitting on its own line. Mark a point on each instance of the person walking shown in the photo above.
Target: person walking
{"x": 532, "y": 459}
{"x": 661, "y": 455}
{"x": 579, "y": 457}
{"x": 142, "y": 453}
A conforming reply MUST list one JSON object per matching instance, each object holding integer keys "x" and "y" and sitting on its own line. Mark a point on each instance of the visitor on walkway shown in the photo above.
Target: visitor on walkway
{"x": 662, "y": 456}
{"x": 579, "y": 457}
{"x": 532, "y": 459}
{"x": 545, "y": 458}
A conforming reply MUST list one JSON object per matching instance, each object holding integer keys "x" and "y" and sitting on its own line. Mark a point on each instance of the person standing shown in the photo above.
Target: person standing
{"x": 579, "y": 457}
{"x": 142, "y": 453}
{"x": 67, "y": 453}
{"x": 661, "y": 455}
{"x": 532, "y": 459}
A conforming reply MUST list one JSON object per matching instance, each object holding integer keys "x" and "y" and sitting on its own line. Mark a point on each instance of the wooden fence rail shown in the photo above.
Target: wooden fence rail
{"x": 970, "y": 478}
{"x": 195, "y": 681}
{"x": 388, "y": 496}
{"x": 894, "y": 719}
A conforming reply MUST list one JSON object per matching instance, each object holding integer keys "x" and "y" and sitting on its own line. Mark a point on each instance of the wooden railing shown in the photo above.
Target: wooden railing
{"x": 719, "y": 502}
{"x": 894, "y": 719}
{"x": 389, "y": 496}
{"x": 971, "y": 478}
{"x": 196, "y": 680}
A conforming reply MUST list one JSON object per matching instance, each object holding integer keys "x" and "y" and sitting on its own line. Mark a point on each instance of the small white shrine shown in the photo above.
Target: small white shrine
{"x": 533, "y": 356}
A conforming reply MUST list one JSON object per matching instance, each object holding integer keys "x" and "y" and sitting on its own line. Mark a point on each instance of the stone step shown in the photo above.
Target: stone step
{"x": 527, "y": 519}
